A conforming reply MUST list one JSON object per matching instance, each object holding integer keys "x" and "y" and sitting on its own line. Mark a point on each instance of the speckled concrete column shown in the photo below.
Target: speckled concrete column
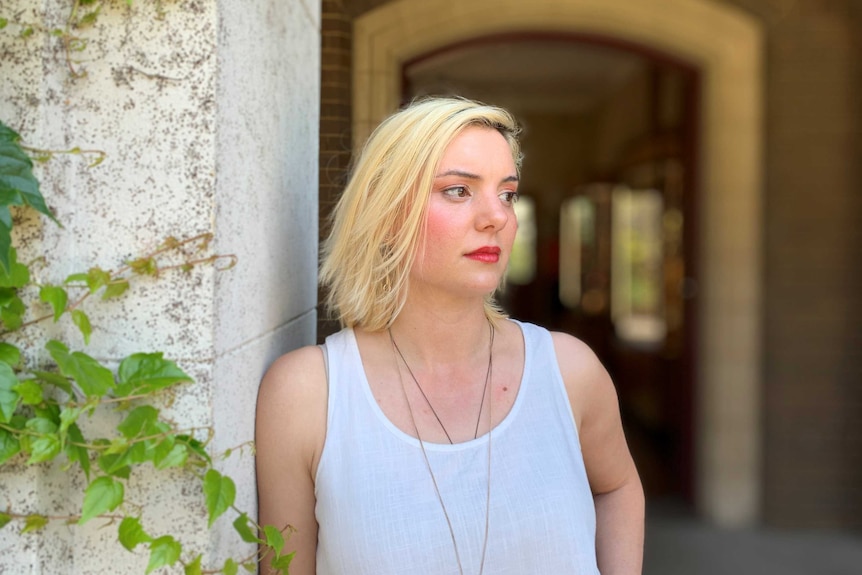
{"x": 208, "y": 113}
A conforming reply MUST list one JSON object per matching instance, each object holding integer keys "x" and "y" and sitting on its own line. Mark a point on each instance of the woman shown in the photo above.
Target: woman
{"x": 432, "y": 435}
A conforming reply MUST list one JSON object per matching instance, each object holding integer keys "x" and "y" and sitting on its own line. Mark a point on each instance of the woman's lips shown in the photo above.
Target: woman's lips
{"x": 486, "y": 254}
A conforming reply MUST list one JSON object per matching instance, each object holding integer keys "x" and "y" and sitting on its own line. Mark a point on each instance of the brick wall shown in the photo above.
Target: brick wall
{"x": 335, "y": 132}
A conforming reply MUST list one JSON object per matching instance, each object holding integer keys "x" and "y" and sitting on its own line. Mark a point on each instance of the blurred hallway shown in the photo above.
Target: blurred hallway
{"x": 678, "y": 544}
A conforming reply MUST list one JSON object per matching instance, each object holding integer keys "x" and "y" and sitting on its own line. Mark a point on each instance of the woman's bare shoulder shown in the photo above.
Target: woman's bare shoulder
{"x": 296, "y": 369}
{"x": 586, "y": 379}
{"x": 575, "y": 357}
{"x": 293, "y": 390}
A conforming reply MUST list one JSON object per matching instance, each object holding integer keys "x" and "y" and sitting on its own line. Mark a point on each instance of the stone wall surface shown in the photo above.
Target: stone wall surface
{"x": 207, "y": 114}
{"x": 267, "y": 149}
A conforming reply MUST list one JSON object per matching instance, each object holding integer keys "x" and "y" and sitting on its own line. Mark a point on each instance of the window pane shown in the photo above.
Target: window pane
{"x": 637, "y": 285}
{"x": 522, "y": 262}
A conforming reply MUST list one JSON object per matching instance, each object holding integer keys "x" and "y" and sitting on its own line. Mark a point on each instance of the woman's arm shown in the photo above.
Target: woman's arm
{"x": 613, "y": 478}
{"x": 289, "y": 431}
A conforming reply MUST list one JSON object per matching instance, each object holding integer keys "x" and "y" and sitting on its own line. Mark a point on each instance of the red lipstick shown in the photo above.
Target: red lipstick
{"x": 487, "y": 254}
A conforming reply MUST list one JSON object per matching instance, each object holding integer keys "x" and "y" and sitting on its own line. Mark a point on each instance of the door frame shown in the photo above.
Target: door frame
{"x": 726, "y": 45}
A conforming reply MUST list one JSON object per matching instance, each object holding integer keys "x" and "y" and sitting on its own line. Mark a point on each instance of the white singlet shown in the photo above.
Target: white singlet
{"x": 377, "y": 510}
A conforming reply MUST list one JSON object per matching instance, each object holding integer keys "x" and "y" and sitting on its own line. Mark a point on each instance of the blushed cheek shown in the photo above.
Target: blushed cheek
{"x": 435, "y": 225}
{"x": 429, "y": 238}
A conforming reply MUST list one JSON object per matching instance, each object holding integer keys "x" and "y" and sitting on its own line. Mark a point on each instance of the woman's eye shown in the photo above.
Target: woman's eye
{"x": 456, "y": 192}
{"x": 509, "y": 198}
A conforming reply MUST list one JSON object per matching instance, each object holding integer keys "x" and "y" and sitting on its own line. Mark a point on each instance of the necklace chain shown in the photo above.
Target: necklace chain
{"x": 428, "y": 401}
{"x": 425, "y": 454}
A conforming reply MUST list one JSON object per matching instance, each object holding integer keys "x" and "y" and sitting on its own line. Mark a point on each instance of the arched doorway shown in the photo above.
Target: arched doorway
{"x": 726, "y": 47}
{"x": 606, "y": 246}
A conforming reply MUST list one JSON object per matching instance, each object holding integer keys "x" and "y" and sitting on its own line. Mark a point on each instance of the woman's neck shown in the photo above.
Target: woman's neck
{"x": 437, "y": 335}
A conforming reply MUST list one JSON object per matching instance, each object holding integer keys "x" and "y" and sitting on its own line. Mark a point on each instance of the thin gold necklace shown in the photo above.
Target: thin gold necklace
{"x": 425, "y": 454}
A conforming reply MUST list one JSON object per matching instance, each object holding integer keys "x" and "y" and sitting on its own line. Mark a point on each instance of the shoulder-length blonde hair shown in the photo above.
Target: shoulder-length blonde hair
{"x": 379, "y": 219}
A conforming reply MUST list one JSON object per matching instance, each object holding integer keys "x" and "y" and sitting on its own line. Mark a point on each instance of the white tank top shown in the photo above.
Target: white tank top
{"x": 377, "y": 509}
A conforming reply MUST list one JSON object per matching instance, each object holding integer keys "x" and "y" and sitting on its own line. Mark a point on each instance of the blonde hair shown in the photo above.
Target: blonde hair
{"x": 378, "y": 221}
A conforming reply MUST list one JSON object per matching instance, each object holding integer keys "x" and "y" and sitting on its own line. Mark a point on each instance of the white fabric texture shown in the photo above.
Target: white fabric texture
{"x": 377, "y": 510}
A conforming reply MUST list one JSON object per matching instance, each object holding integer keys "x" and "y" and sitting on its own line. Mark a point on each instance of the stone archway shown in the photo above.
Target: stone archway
{"x": 727, "y": 46}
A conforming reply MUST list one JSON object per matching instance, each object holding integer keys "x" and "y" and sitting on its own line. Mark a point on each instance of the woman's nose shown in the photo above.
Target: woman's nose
{"x": 491, "y": 212}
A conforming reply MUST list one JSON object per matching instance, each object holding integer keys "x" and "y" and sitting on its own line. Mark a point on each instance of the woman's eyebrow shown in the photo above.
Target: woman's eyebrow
{"x": 471, "y": 176}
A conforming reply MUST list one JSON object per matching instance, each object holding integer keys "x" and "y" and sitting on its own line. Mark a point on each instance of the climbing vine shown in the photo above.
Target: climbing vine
{"x": 53, "y": 411}
{"x": 42, "y": 408}
{"x": 83, "y": 14}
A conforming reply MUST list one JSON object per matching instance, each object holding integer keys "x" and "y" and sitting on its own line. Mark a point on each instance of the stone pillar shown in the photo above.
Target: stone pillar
{"x": 208, "y": 115}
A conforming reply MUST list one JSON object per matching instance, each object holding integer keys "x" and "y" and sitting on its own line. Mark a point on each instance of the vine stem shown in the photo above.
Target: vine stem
{"x": 99, "y": 448}
{"x": 118, "y": 277}
{"x": 14, "y": 515}
{"x": 246, "y": 559}
{"x": 67, "y": 37}
{"x": 101, "y": 154}
{"x": 133, "y": 441}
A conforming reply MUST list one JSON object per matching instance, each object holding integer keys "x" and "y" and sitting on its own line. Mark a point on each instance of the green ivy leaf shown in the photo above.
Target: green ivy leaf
{"x": 282, "y": 562}
{"x": 16, "y": 168}
{"x": 220, "y": 493}
{"x": 117, "y": 446}
{"x": 43, "y": 448}
{"x": 77, "y": 452}
{"x": 5, "y": 518}
{"x": 131, "y": 533}
{"x": 193, "y": 568}
{"x": 97, "y": 278}
{"x": 56, "y": 379}
{"x": 8, "y": 396}
{"x": 30, "y": 392}
{"x": 274, "y": 539}
{"x": 250, "y": 566}
{"x": 75, "y": 278}
{"x": 68, "y": 416}
{"x": 93, "y": 378}
{"x": 56, "y": 297}
{"x": 114, "y": 465}
{"x": 144, "y": 266}
{"x": 81, "y": 320}
{"x": 11, "y": 313}
{"x": 163, "y": 551}
{"x": 138, "y": 453}
{"x": 9, "y": 446}
{"x": 146, "y": 373}
{"x": 115, "y": 289}
{"x": 46, "y": 444}
{"x": 230, "y": 567}
{"x": 3, "y": 23}
{"x": 139, "y": 421}
{"x": 89, "y": 18}
{"x": 41, "y": 424}
{"x": 195, "y": 447}
{"x": 9, "y": 354}
{"x": 5, "y": 238}
{"x": 34, "y": 523}
{"x": 102, "y": 495}
{"x": 242, "y": 526}
{"x": 15, "y": 275}
{"x": 170, "y": 454}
